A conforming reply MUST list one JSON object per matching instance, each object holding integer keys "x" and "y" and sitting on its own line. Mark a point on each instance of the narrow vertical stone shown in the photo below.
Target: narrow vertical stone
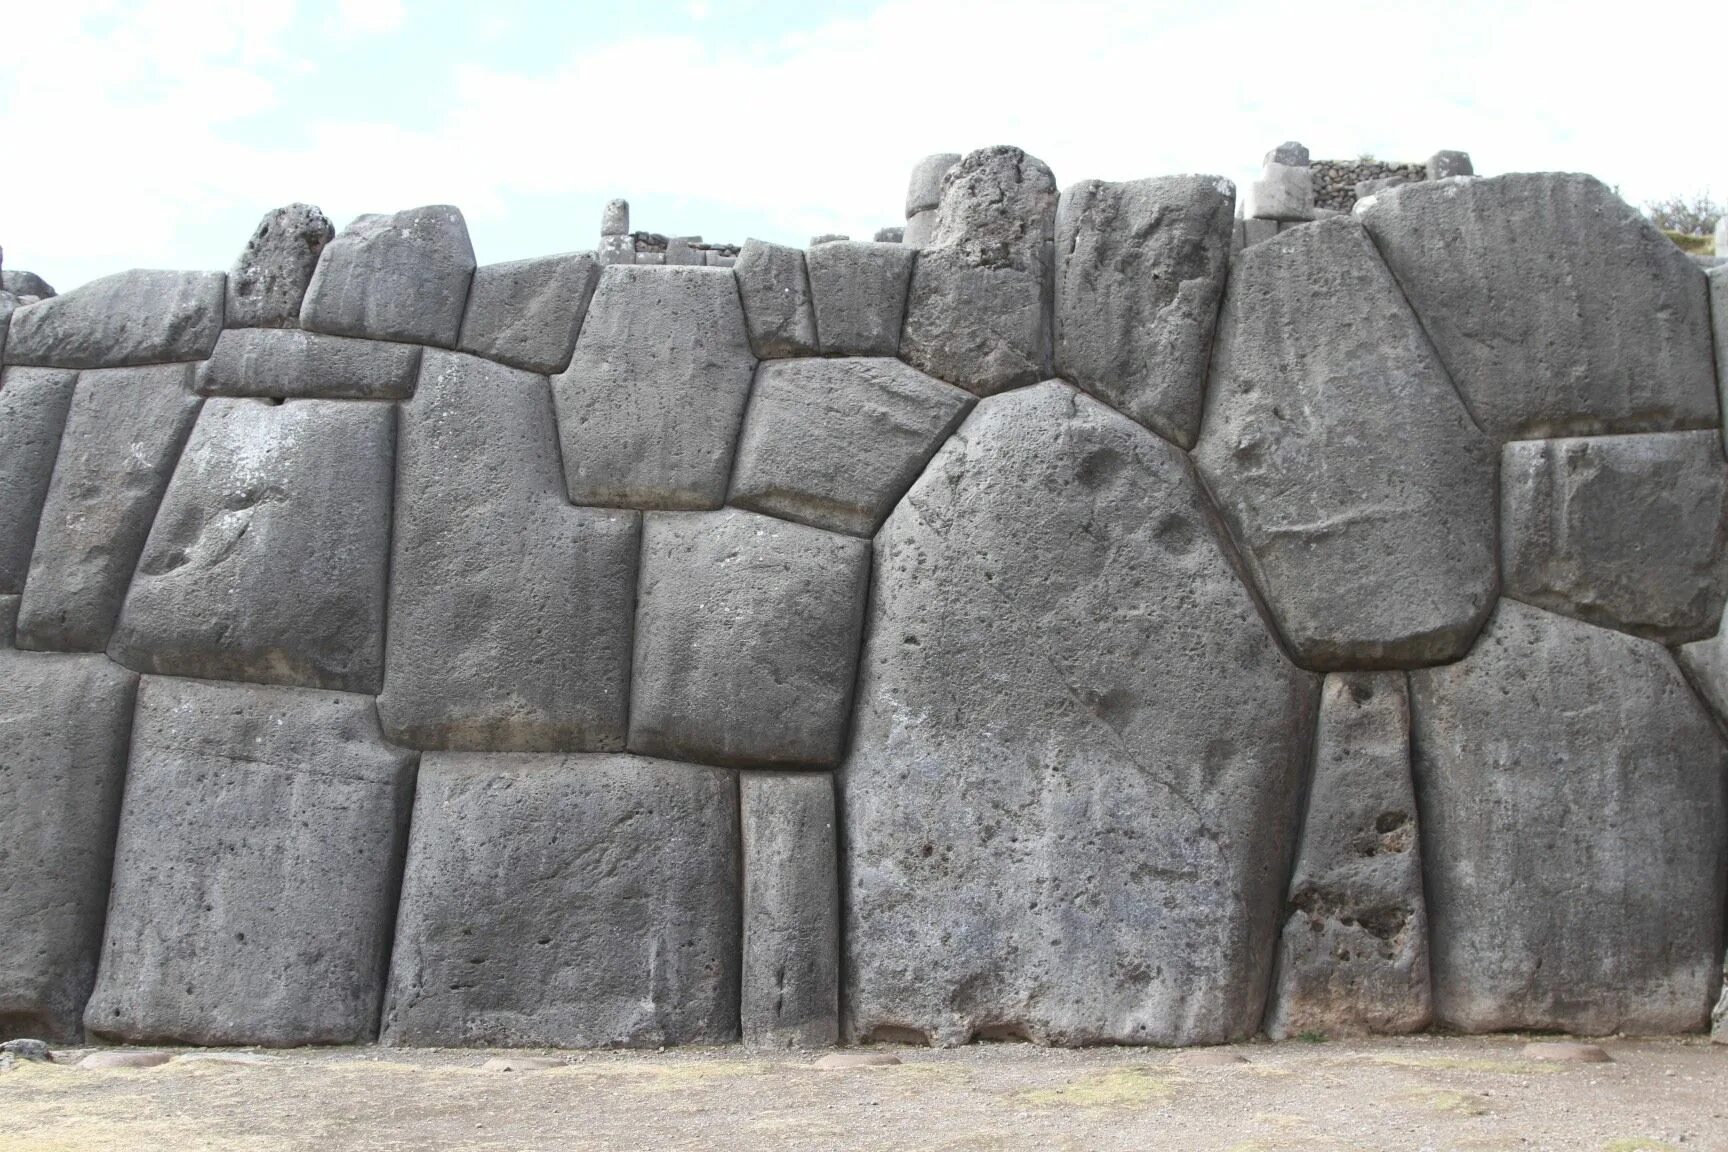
{"x": 791, "y": 992}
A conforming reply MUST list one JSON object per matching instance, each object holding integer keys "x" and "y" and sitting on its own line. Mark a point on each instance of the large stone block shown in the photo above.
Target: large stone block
{"x": 860, "y": 296}
{"x": 33, "y": 407}
{"x": 1622, "y": 531}
{"x": 22, "y": 283}
{"x": 1573, "y": 832}
{"x": 924, "y": 190}
{"x": 255, "y": 873}
{"x": 1069, "y": 805}
{"x": 774, "y": 285}
{"x": 269, "y": 557}
{"x": 791, "y": 981}
{"x": 137, "y": 317}
{"x": 1283, "y": 192}
{"x": 835, "y": 443}
{"x": 577, "y": 901}
{"x": 268, "y": 283}
{"x": 278, "y": 363}
{"x": 510, "y": 611}
{"x": 746, "y": 640}
{"x": 650, "y": 407}
{"x": 527, "y": 313}
{"x": 1558, "y": 309}
{"x": 124, "y": 432}
{"x": 1360, "y": 491}
{"x": 1140, "y": 272}
{"x": 400, "y": 277}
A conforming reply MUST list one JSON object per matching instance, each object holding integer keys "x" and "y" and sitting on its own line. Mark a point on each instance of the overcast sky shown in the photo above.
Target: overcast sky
{"x": 154, "y": 133}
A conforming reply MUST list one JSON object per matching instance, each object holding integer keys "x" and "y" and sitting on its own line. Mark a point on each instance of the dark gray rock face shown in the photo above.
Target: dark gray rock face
{"x": 260, "y": 842}
{"x": 527, "y": 313}
{"x": 510, "y": 611}
{"x": 278, "y": 363}
{"x": 576, "y": 901}
{"x": 1558, "y": 309}
{"x": 1074, "y": 774}
{"x": 1622, "y": 531}
{"x": 1359, "y": 489}
{"x": 137, "y": 317}
{"x": 835, "y": 443}
{"x": 21, "y": 283}
{"x": 268, "y": 559}
{"x": 1449, "y": 163}
{"x": 33, "y": 407}
{"x": 401, "y": 277}
{"x": 746, "y": 640}
{"x": 1353, "y": 956}
{"x": 123, "y": 435}
{"x": 64, "y": 722}
{"x": 774, "y": 285}
{"x": 860, "y": 296}
{"x": 268, "y": 283}
{"x": 1573, "y": 832}
{"x": 791, "y": 981}
{"x": 1140, "y": 272}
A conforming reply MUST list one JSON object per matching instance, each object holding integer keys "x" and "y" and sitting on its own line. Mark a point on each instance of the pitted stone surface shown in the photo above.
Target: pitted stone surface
{"x": 399, "y": 277}
{"x": 1359, "y": 489}
{"x": 33, "y": 407}
{"x": 1140, "y": 271}
{"x": 860, "y": 296}
{"x": 1717, "y": 279}
{"x": 1074, "y": 774}
{"x": 650, "y": 407}
{"x": 510, "y": 611}
{"x": 527, "y": 313}
{"x": 22, "y": 283}
{"x": 1623, "y": 531}
{"x": 576, "y": 901}
{"x": 278, "y": 363}
{"x": 924, "y": 190}
{"x": 835, "y": 443}
{"x": 1558, "y": 309}
{"x": 137, "y": 317}
{"x": 791, "y": 981}
{"x": 1353, "y": 956}
{"x": 122, "y": 437}
{"x": 774, "y": 285}
{"x": 268, "y": 559}
{"x": 268, "y": 283}
{"x": 1573, "y": 829}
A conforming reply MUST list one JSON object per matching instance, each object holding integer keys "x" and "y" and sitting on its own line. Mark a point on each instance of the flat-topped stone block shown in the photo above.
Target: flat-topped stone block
{"x": 268, "y": 283}
{"x": 398, "y": 277}
{"x": 527, "y": 313}
{"x": 137, "y": 317}
{"x": 774, "y": 285}
{"x": 283, "y": 363}
{"x": 1283, "y": 192}
{"x": 859, "y": 292}
{"x": 33, "y": 407}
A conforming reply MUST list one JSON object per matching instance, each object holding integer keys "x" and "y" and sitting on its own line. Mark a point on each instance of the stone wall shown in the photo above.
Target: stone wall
{"x": 1070, "y": 624}
{"x": 1336, "y": 181}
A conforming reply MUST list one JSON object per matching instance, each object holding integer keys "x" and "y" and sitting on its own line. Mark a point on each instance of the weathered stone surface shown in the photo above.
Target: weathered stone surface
{"x": 1360, "y": 491}
{"x": 1623, "y": 531}
{"x": 64, "y": 722}
{"x": 510, "y": 611}
{"x": 33, "y": 407}
{"x": 1140, "y": 272}
{"x": 924, "y": 190}
{"x": 978, "y": 312}
{"x": 893, "y": 235}
{"x": 919, "y": 229}
{"x": 137, "y": 317}
{"x": 860, "y": 296}
{"x": 791, "y": 978}
{"x": 261, "y": 836}
{"x": 21, "y": 283}
{"x": 615, "y": 218}
{"x": 650, "y": 407}
{"x": 579, "y": 901}
{"x": 1573, "y": 828}
{"x": 268, "y": 559}
{"x": 617, "y": 250}
{"x": 1074, "y": 774}
{"x": 1449, "y": 163}
{"x": 291, "y": 363}
{"x": 1283, "y": 192}
{"x": 1255, "y": 231}
{"x": 527, "y": 313}
{"x": 680, "y": 250}
{"x": 268, "y": 283}
{"x": 1558, "y": 309}
{"x": 1291, "y": 154}
{"x": 835, "y": 443}
{"x": 28, "y": 1048}
{"x": 1717, "y": 280}
{"x": 746, "y": 640}
{"x": 1353, "y": 956}
{"x": 774, "y": 285}
{"x": 400, "y": 277}
{"x": 122, "y": 437}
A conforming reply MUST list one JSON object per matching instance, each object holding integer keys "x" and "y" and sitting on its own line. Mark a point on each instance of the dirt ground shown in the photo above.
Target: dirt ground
{"x": 1416, "y": 1093}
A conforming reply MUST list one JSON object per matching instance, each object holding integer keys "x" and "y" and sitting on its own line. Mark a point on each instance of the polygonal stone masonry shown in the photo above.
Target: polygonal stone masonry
{"x": 774, "y": 287}
{"x": 282, "y": 363}
{"x": 398, "y": 277}
{"x": 859, "y": 293}
{"x": 33, "y": 407}
{"x": 137, "y": 317}
{"x": 527, "y": 313}
{"x": 790, "y": 993}
{"x": 268, "y": 282}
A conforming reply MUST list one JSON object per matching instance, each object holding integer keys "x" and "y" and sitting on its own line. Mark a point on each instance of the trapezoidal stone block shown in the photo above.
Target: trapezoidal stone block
{"x": 255, "y": 874}
{"x": 282, "y": 363}
{"x": 137, "y": 317}
{"x": 859, "y": 290}
{"x": 790, "y": 994}
{"x": 33, "y": 407}
{"x": 527, "y": 313}
{"x": 399, "y": 277}
{"x": 774, "y": 288}
{"x": 1070, "y": 799}
{"x": 573, "y": 901}
{"x": 268, "y": 282}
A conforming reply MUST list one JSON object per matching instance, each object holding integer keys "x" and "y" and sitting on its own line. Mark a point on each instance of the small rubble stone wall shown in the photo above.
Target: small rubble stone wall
{"x": 1335, "y": 181}
{"x": 1069, "y": 624}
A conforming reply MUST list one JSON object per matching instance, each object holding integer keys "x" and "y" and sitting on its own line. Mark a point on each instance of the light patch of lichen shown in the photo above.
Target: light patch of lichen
{"x": 1455, "y": 1103}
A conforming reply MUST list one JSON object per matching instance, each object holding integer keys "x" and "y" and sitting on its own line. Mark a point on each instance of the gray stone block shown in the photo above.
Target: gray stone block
{"x": 137, "y": 317}
{"x": 400, "y": 277}
{"x": 527, "y": 313}
{"x": 617, "y": 250}
{"x": 919, "y": 229}
{"x": 291, "y": 363}
{"x": 1447, "y": 163}
{"x": 255, "y": 873}
{"x": 1256, "y": 231}
{"x": 122, "y": 437}
{"x": 1361, "y": 494}
{"x": 924, "y": 190}
{"x": 680, "y": 252}
{"x": 576, "y": 901}
{"x": 790, "y": 994}
{"x": 1623, "y": 531}
{"x": 615, "y": 218}
{"x": 1365, "y": 188}
{"x": 33, "y": 407}
{"x": 268, "y": 283}
{"x": 859, "y": 290}
{"x": 1290, "y": 154}
{"x": 649, "y": 409}
{"x": 1074, "y": 775}
{"x": 835, "y": 443}
{"x": 268, "y": 560}
{"x": 651, "y": 259}
{"x": 1283, "y": 192}
{"x": 1717, "y": 280}
{"x": 1573, "y": 832}
{"x": 510, "y": 611}
{"x": 746, "y": 640}
{"x": 774, "y": 285}
{"x": 828, "y": 238}
{"x": 21, "y": 283}
{"x": 1138, "y": 281}
{"x": 895, "y": 235}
